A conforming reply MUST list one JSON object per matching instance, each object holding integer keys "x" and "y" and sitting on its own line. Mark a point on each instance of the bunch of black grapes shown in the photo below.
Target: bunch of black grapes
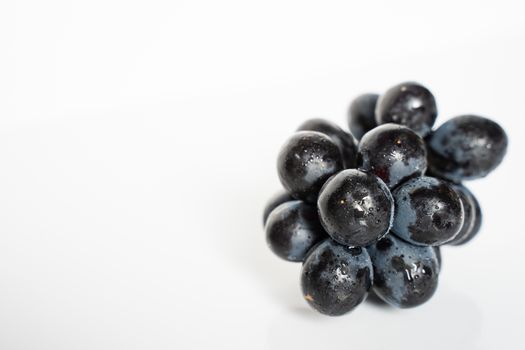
{"x": 368, "y": 210}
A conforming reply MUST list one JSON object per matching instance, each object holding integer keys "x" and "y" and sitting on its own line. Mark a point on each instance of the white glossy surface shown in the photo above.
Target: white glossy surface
{"x": 137, "y": 149}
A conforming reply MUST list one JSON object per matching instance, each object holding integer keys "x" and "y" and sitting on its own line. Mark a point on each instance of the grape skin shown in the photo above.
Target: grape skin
{"x": 428, "y": 211}
{"x": 394, "y": 153}
{"x": 361, "y": 114}
{"x": 405, "y": 275}
{"x": 355, "y": 208}
{"x": 306, "y": 161}
{"x": 292, "y": 229}
{"x": 409, "y": 104}
{"x": 467, "y": 147}
{"x": 335, "y": 279}
{"x": 345, "y": 141}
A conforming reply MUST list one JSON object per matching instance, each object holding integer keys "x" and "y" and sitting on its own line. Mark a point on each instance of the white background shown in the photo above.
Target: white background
{"x": 137, "y": 149}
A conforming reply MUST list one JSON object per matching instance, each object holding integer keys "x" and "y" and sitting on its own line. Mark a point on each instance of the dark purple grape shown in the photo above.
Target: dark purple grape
{"x": 345, "y": 141}
{"x": 409, "y": 104}
{"x": 405, "y": 275}
{"x": 466, "y": 148}
{"x": 355, "y": 208}
{"x": 361, "y": 115}
{"x": 473, "y": 217}
{"x": 277, "y": 199}
{"x": 393, "y": 152}
{"x": 335, "y": 279}
{"x": 306, "y": 161}
{"x": 292, "y": 229}
{"x": 428, "y": 211}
